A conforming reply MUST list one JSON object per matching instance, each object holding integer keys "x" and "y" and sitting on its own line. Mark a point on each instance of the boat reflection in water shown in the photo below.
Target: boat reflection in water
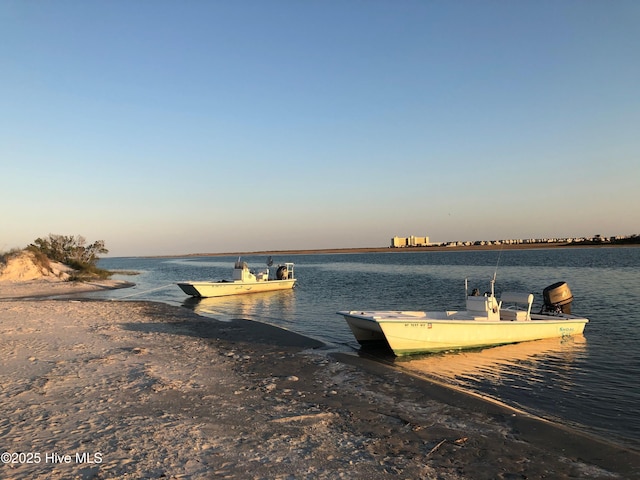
{"x": 529, "y": 367}
{"x": 254, "y": 306}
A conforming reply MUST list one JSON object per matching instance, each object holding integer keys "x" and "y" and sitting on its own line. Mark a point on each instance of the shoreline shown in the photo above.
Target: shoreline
{"x": 322, "y": 251}
{"x": 35, "y": 289}
{"x": 311, "y": 403}
{"x": 570, "y": 440}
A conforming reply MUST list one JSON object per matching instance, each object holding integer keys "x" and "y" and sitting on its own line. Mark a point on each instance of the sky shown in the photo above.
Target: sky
{"x": 174, "y": 127}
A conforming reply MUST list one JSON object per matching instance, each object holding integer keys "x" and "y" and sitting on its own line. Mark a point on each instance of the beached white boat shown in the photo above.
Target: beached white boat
{"x": 243, "y": 282}
{"x": 487, "y": 321}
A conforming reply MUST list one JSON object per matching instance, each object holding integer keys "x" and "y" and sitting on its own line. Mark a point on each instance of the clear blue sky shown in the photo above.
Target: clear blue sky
{"x": 168, "y": 127}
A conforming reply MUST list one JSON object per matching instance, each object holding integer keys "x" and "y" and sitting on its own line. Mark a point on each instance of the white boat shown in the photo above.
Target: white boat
{"x": 487, "y": 321}
{"x": 243, "y": 282}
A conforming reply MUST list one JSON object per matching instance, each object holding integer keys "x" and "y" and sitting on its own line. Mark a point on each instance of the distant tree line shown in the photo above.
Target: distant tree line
{"x": 600, "y": 240}
{"x": 633, "y": 239}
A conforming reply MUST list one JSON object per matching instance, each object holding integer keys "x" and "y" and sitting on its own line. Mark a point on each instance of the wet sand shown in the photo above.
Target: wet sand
{"x": 146, "y": 390}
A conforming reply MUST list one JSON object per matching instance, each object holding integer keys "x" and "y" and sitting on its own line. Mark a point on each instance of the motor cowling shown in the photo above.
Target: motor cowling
{"x": 557, "y": 298}
{"x": 281, "y": 273}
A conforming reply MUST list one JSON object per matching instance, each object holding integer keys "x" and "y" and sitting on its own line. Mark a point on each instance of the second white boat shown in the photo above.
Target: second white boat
{"x": 487, "y": 321}
{"x": 243, "y": 282}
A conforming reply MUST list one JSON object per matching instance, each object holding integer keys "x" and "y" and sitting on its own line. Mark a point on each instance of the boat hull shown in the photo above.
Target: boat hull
{"x": 222, "y": 289}
{"x": 415, "y": 332}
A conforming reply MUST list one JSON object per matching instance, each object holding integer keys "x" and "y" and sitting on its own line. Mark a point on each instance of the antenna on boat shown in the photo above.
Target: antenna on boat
{"x": 495, "y": 272}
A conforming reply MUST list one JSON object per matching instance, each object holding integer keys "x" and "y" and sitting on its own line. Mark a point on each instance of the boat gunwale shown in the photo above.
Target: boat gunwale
{"x": 236, "y": 282}
{"x": 547, "y": 319}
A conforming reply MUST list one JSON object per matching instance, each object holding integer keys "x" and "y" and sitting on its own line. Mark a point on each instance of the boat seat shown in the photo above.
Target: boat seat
{"x": 514, "y": 315}
{"x": 516, "y": 310}
{"x": 517, "y": 297}
{"x": 483, "y": 308}
{"x": 480, "y": 304}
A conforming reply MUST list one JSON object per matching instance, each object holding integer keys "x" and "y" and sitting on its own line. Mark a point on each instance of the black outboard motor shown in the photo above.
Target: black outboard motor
{"x": 557, "y": 298}
{"x": 281, "y": 273}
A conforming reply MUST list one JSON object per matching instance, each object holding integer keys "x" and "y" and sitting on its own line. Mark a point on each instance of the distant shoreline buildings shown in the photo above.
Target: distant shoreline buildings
{"x": 413, "y": 241}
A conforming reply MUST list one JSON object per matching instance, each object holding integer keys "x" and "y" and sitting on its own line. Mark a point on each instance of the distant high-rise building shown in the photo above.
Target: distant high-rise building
{"x": 411, "y": 241}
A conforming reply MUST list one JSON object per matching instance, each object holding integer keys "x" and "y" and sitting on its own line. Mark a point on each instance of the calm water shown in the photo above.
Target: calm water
{"x": 591, "y": 382}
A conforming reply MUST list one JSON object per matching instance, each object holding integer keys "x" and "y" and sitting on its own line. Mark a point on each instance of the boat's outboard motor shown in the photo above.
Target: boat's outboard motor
{"x": 281, "y": 273}
{"x": 557, "y": 298}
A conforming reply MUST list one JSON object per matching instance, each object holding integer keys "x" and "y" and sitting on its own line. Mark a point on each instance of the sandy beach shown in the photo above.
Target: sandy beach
{"x": 103, "y": 389}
